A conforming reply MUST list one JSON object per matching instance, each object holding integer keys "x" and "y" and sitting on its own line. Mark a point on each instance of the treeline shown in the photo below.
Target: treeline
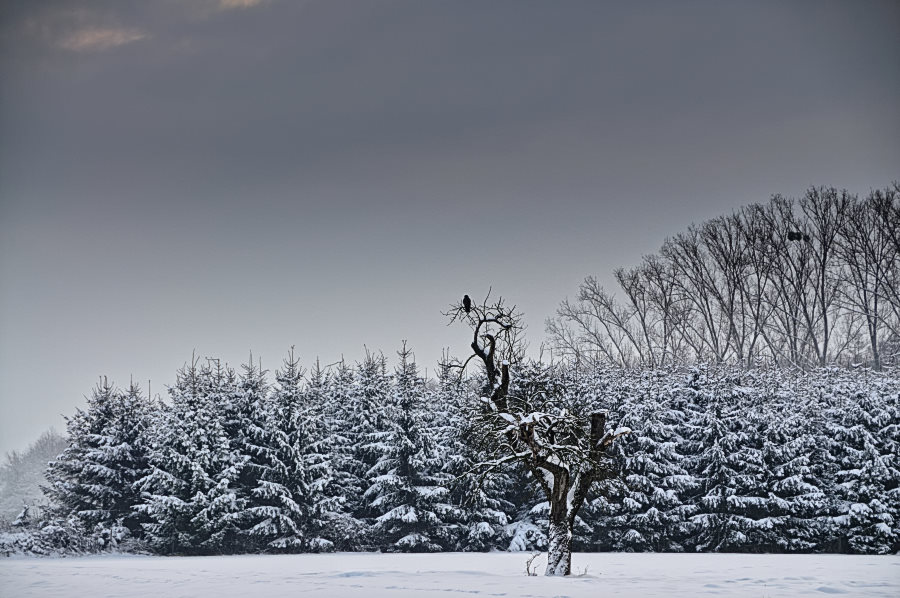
{"x": 22, "y": 474}
{"x": 368, "y": 457}
{"x": 808, "y": 282}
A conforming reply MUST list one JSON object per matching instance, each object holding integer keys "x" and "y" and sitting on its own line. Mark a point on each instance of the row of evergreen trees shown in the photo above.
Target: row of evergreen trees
{"x": 759, "y": 461}
{"x": 363, "y": 458}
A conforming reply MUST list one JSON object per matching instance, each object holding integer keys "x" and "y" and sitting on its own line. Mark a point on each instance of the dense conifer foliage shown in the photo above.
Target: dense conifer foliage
{"x": 94, "y": 479}
{"x": 363, "y": 457}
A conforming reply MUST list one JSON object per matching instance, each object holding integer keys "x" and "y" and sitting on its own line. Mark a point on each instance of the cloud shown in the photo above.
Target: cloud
{"x": 97, "y": 39}
{"x": 226, "y": 4}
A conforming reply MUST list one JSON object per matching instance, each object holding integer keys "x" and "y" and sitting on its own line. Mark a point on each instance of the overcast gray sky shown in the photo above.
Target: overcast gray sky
{"x": 235, "y": 175}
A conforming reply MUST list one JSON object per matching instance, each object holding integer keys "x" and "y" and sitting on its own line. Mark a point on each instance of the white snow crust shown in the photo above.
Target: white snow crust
{"x": 449, "y": 574}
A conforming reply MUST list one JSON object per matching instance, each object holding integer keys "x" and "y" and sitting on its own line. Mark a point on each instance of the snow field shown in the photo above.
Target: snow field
{"x": 448, "y": 574}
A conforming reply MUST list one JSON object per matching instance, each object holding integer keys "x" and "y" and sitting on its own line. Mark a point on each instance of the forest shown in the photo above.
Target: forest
{"x": 751, "y": 365}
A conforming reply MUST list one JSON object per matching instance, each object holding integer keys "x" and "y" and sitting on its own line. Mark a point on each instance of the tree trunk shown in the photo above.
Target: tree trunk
{"x": 559, "y": 551}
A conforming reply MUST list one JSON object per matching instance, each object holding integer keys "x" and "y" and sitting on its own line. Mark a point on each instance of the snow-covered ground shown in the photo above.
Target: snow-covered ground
{"x": 494, "y": 574}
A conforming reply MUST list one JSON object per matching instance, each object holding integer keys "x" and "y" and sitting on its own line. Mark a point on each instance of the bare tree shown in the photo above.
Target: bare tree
{"x": 639, "y": 319}
{"x": 791, "y": 297}
{"x": 757, "y": 282}
{"x": 826, "y": 211}
{"x": 724, "y": 242}
{"x": 867, "y": 250}
{"x": 807, "y": 282}
{"x": 659, "y": 277}
{"x": 565, "y": 451}
{"x": 645, "y": 329}
{"x": 707, "y": 330}
{"x": 885, "y": 205}
{"x": 594, "y": 325}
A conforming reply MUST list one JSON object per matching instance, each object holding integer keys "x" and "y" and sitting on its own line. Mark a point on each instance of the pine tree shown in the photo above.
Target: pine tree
{"x": 605, "y": 521}
{"x": 250, "y": 427}
{"x": 867, "y": 475}
{"x": 651, "y": 517}
{"x": 795, "y": 456}
{"x": 191, "y": 493}
{"x": 342, "y": 426}
{"x": 93, "y": 479}
{"x": 408, "y": 492}
{"x": 480, "y": 509}
{"x": 717, "y": 526}
{"x": 287, "y": 502}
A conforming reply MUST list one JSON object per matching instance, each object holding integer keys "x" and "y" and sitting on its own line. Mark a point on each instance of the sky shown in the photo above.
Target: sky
{"x": 216, "y": 177}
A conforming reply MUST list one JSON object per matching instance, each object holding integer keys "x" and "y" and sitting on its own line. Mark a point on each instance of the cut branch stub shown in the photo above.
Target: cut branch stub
{"x": 598, "y": 423}
{"x": 500, "y": 392}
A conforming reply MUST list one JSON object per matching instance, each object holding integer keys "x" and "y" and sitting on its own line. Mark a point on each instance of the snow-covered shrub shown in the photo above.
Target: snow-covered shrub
{"x": 525, "y": 535}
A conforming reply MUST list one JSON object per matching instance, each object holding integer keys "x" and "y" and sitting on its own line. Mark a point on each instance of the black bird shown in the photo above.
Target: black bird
{"x": 467, "y": 304}
{"x": 794, "y": 235}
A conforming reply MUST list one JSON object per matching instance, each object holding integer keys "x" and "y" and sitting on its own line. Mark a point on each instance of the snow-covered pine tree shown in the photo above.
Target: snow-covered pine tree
{"x": 130, "y": 450}
{"x": 223, "y": 514}
{"x": 92, "y": 480}
{"x": 342, "y": 420}
{"x": 481, "y": 510}
{"x": 408, "y": 492}
{"x": 750, "y": 502}
{"x": 651, "y": 516}
{"x": 286, "y": 504}
{"x": 317, "y": 419}
{"x": 439, "y": 413}
{"x": 249, "y": 424}
{"x": 74, "y": 477}
{"x": 680, "y": 407}
{"x": 886, "y": 391}
{"x": 190, "y": 495}
{"x": 864, "y": 425}
{"x": 795, "y": 453}
{"x": 716, "y": 528}
{"x": 364, "y": 414}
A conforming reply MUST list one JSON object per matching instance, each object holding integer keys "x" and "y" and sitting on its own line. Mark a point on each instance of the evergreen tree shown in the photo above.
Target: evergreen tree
{"x": 717, "y": 527}
{"x": 408, "y": 492}
{"x": 93, "y": 479}
{"x": 191, "y": 493}
{"x": 867, "y": 475}
{"x": 795, "y": 455}
{"x": 651, "y": 517}
{"x": 251, "y": 430}
{"x": 369, "y": 413}
{"x": 288, "y": 499}
{"x": 481, "y": 511}
{"x": 340, "y": 415}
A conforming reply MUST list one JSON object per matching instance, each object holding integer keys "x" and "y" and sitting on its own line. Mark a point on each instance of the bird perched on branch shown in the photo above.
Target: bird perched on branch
{"x": 467, "y": 304}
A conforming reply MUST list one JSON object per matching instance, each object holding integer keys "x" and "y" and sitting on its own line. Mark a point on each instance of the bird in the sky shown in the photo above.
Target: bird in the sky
{"x": 467, "y": 304}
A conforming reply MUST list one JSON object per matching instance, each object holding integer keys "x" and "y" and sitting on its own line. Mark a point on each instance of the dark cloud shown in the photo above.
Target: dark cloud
{"x": 188, "y": 174}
